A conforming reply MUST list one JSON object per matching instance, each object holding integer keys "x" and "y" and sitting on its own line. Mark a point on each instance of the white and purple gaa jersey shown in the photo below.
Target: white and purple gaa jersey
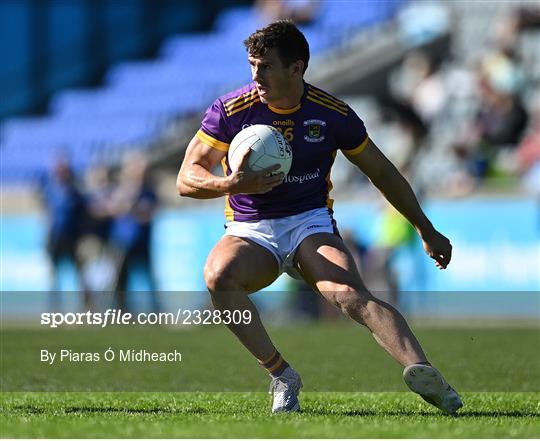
{"x": 316, "y": 128}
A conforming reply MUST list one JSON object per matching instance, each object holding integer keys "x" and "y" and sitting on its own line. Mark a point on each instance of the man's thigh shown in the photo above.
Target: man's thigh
{"x": 244, "y": 264}
{"x": 326, "y": 264}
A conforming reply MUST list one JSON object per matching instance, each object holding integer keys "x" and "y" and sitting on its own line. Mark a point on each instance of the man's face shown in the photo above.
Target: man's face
{"x": 273, "y": 79}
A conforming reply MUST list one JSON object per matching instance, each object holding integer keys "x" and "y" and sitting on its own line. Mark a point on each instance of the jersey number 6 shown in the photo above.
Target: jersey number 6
{"x": 287, "y": 133}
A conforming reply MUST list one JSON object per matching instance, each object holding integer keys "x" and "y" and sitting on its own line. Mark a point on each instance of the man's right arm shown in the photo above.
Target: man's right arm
{"x": 196, "y": 180}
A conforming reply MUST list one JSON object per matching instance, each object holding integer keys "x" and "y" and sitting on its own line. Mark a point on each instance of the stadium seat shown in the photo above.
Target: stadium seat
{"x": 141, "y": 96}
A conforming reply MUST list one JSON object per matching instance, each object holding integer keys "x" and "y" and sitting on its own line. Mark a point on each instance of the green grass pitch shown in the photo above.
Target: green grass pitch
{"x": 352, "y": 389}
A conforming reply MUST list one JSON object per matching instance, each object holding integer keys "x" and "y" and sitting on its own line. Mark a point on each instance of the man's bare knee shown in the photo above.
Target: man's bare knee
{"x": 220, "y": 279}
{"x": 353, "y": 301}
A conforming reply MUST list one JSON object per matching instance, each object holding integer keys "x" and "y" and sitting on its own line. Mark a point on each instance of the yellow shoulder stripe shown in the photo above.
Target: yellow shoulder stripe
{"x": 212, "y": 142}
{"x": 244, "y": 97}
{"x": 233, "y": 109}
{"x": 358, "y": 149}
{"x": 329, "y": 97}
{"x": 245, "y": 106}
{"x": 327, "y": 101}
{"x": 311, "y": 98}
{"x": 239, "y": 103}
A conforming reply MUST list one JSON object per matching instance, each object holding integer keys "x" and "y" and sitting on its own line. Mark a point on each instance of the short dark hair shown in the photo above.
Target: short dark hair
{"x": 282, "y": 35}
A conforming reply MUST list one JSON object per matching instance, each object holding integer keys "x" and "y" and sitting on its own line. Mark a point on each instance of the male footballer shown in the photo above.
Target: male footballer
{"x": 276, "y": 225}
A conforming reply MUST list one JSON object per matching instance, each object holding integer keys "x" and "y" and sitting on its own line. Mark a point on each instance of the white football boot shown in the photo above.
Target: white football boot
{"x": 285, "y": 389}
{"x": 428, "y": 382}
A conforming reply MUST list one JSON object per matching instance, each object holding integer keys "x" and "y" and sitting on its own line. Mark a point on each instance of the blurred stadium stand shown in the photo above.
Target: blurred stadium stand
{"x": 141, "y": 97}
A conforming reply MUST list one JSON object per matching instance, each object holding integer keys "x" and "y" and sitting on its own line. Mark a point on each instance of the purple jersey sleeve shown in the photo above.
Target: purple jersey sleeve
{"x": 215, "y": 130}
{"x": 351, "y": 133}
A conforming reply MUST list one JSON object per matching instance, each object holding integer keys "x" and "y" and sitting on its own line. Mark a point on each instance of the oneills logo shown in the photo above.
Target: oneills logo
{"x": 283, "y": 123}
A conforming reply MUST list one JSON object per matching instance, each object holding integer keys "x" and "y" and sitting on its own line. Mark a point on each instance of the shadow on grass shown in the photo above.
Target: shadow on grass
{"x": 498, "y": 413}
{"x": 410, "y": 413}
{"x": 34, "y": 410}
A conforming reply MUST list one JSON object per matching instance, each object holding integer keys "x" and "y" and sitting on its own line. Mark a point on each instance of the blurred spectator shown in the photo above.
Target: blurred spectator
{"x": 499, "y": 122}
{"x": 306, "y": 304}
{"x": 132, "y": 205}
{"x": 523, "y": 18}
{"x": 526, "y": 159}
{"x": 528, "y": 17}
{"x": 358, "y": 249}
{"x": 65, "y": 207}
{"x": 99, "y": 190}
{"x": 502, "y": 117}
{"x": 302, "y": 12}
{"x": 395, "y": 232}
{"x": 475, "y": 116}
{"x": 98, "y": 267}
{"x": 417, "y": 98}
{"x": 417, "y": 83}
{"x": 528, "y": 151}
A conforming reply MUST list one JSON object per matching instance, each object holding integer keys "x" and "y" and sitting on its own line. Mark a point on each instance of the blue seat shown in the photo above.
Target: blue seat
{"x": 141, "y": 96}
{"x": 233, "y": 18}
{"x": 23, "y": 135}
{"x": 158, "y": 102}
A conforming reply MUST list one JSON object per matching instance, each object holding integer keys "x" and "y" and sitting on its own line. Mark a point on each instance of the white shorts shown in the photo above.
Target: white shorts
{"x": 283, "y": 236}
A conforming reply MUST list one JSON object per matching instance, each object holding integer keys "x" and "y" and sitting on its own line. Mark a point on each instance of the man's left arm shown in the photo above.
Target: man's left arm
{"x": 395, "y": 188}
